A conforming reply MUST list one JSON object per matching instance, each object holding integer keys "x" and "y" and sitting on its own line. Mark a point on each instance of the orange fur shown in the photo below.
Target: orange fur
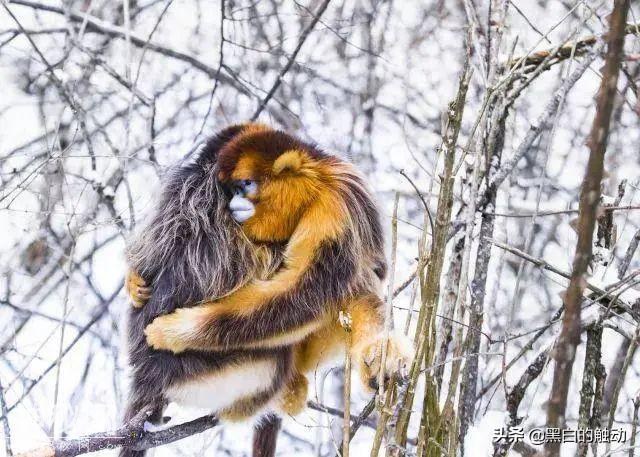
{"x": 137, "y": 289}
{"x": 322, "y": 345}
{"x": 291, "y": 161}
{"x": 294, "y": 207}
{"x": 293, "y": 398}
{"x": 299, "y": 201}
{"x": 319, "y": 223}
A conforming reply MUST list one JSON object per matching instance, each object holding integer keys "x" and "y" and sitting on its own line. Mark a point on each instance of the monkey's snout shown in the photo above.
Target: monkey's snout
{"x": 241, "y": 208}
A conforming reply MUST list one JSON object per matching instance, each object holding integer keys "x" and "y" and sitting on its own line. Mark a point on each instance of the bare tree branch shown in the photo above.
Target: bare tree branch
{"x": 131, "y": 435}
{"x": 291, "y": 60}
{"x": 515, "y": 396}
{"x": 564, "y": 352}
{"x": 560, "y": 53}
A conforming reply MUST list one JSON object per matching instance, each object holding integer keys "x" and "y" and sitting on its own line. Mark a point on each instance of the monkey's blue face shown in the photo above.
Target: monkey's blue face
{"x": 241, "y": 207}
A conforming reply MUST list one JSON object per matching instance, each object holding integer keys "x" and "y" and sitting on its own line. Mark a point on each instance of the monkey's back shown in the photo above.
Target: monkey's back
{"x": 189, "y": 251}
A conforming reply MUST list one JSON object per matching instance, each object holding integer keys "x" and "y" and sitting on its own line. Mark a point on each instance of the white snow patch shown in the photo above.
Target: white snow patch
{"x": 479, "y": 439}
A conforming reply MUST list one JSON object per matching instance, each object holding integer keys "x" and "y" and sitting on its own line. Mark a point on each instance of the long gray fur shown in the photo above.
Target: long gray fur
{"x": 189, "y": 250}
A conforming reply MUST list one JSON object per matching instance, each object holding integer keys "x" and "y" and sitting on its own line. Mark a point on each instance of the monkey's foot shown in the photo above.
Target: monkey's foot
{"x": 151, "y": 427}
{"x": 137, "y": 289}
{"x": 293, "y": 397}
{"x": 369, "y": 358}
{"x": 169, "y": 332}
{"x": 173, "y": 415}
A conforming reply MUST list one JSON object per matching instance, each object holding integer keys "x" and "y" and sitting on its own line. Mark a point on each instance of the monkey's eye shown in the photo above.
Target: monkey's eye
{"x": 248, "y": 186}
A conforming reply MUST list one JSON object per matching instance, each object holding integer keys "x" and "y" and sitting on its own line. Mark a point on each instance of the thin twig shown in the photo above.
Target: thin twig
{"x": 424, "y": 204}
{"x": 562, "y": 211}
{"x": 291, "y": 60}
{"x": 5, "y": 423}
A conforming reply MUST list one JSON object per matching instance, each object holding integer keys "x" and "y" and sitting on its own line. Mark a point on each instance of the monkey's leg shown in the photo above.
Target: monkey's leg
{"x": 367, "y": 326}
{"x": 322, "y": 345}
{"x": 293, "y": 397}
{"x": 138, "y": 401}
{"x": 245, "y": 408}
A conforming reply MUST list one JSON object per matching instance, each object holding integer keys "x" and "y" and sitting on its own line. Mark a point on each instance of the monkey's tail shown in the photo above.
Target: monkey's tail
{"x": 265, "y": 436}
{"x": 138, "y": 401}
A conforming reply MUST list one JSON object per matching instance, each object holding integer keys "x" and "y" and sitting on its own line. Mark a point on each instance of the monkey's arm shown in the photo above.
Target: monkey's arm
{"x": 295, "y": 301}
{"x": 139, "y": 291}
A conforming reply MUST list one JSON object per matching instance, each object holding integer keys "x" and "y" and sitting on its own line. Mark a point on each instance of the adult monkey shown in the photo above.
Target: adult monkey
{"x": 290, "y": 192}
{"x": 190, "y": 250}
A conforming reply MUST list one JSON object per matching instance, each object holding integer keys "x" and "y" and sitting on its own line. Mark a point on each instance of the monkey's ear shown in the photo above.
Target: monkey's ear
{"x": 290, "y": 161}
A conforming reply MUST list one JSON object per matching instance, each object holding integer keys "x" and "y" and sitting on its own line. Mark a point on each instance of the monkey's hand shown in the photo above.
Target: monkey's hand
{"x": 368, "y": 357}
{"x": 178, "y": 331}
{"x": 185, "y": 328}
{"x": 249, "y": 317}
{"x": 137, "y": 289}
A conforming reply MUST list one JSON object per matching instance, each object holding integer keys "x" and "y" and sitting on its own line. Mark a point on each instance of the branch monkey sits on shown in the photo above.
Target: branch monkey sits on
{"x": 315, "y": 206}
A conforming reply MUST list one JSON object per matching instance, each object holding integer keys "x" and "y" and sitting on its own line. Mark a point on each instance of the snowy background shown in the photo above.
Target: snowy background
{"x": 99, "y": 98}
